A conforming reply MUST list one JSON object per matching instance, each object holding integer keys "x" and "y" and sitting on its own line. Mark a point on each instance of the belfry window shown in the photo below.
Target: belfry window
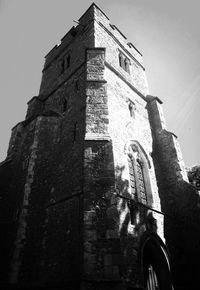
{"x": 64, "y": 63}
{"x": 124, "y": 62}
{"x": 139, "y": 175}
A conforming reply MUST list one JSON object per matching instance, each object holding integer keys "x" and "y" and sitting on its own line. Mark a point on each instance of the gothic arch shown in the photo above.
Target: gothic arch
{"x": 139, "y": 165}
{"x": 132, "y": 142}
{"x": 155, "y": 264}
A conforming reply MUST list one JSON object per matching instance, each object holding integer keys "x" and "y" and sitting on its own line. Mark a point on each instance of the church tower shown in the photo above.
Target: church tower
{"x": 84, "y": 210}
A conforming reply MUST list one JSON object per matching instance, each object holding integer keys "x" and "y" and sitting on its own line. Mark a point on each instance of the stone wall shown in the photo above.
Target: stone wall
{"x": 101, "y": 249}
{"x": 179, "y": 201}
{"x": 47, "y": 187}
{"x": 108, "y": 119}
{"x": 73, "y": 44}
{"x": 114, "y": 43}
{"x": 124, "y": 129}
{"x": 46, "y": 192}
{"x": 75, "y": 219}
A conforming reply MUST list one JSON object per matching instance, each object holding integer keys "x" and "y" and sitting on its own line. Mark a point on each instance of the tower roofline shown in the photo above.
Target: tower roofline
{"x": 90, "y": 12}
{"x": 93, "y": 4}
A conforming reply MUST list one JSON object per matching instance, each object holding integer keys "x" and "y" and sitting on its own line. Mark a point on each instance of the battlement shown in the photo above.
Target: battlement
{"x": 93, "y": 13}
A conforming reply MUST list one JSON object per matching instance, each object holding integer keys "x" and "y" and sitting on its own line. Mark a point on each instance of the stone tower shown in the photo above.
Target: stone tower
{"x": 81, "y": 199}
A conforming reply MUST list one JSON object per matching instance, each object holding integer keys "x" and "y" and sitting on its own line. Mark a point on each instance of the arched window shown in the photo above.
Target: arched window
{"x": 139, "y": 174}
{"x": 156, "y": 266}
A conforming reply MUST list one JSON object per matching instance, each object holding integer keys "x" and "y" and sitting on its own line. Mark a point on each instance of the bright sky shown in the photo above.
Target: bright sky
{"x": 166, "y": 32}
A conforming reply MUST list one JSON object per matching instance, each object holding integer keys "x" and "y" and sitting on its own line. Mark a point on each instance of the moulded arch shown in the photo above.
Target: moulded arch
{"x": 154, "y": 254}
{"x": 139, "y": 146}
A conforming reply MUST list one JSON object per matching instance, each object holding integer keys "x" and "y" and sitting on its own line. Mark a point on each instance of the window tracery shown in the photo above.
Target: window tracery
{"x": 139, "y": 175}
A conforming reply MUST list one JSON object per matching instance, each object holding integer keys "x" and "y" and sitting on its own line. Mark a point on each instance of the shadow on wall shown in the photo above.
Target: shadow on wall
{"x": 142, "y": 248}
{"x": 180, "y": 202}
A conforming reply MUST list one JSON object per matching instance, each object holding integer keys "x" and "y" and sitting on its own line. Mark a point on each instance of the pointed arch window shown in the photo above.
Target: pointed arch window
{"x": 139, "y": 174}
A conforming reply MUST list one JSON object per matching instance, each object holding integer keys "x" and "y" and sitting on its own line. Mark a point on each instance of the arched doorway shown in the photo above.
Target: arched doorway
{"x": 155, "y": 263}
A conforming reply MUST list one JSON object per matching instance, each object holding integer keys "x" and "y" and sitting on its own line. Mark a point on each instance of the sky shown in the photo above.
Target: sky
{"x": 167, "y": 33}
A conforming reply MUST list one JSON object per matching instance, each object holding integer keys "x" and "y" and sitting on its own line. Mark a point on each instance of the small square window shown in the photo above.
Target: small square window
{"x": 132, "y": 109}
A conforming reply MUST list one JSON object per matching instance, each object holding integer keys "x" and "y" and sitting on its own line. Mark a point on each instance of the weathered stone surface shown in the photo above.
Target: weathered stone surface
{"x": 93, "y": 179}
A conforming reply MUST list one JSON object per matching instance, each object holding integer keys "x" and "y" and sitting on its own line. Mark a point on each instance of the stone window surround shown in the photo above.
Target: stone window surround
{"x": 124, "y": 61}
{"x": 134, "y": 148}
